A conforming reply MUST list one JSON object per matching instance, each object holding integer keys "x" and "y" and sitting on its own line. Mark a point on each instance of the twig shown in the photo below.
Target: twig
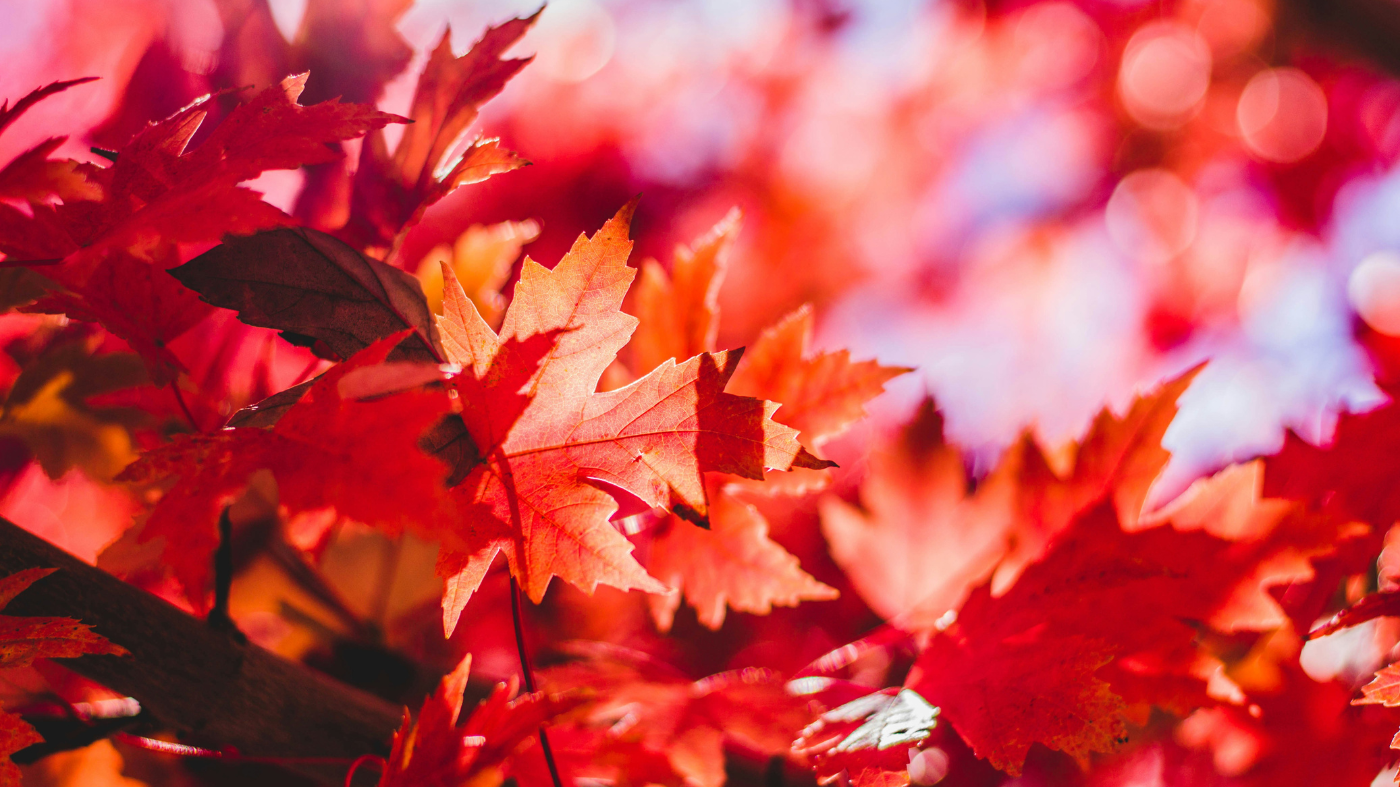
{"x": 530, "y": 676}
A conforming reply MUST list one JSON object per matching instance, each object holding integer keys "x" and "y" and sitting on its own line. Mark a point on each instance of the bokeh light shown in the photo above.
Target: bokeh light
{"x": 1282, "y": 115}
{"x": 1374, "y": 290}
{"x": 1164, "y": 74}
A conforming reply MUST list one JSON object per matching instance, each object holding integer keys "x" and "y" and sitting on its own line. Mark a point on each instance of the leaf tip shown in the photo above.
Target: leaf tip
{"x": 811, "y": 461}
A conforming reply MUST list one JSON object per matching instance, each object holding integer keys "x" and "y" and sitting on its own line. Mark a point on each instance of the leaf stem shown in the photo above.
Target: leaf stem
{"x": 180, "y": 400}
{"x": 529, "y": 674}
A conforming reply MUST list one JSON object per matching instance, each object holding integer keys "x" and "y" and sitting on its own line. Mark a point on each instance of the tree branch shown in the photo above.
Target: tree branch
{"x": 212, "y": 690}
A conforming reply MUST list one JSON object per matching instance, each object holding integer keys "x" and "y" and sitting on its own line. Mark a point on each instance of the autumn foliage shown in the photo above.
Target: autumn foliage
{"x": 368, "y": 427}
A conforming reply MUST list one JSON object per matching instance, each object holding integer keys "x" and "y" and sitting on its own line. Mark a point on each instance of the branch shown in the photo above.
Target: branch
{"x": 194, "y": 679}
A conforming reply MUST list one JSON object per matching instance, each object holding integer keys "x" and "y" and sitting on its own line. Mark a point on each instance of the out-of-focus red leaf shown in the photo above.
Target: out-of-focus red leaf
{"x": 22, "y": 640}
{"x": 392, "y": 190}
{"x": 435, "y": 751}
{"x": 678, "y": 314}
{"x": 1352, "y": 476}
{"x": 1297, "y": 732}
{"x": 821, "y": 394}
{"x": 1119, "y": 458}
{"x": 687, "y": 722}
{"x": 9, "y": 114}
{"x": 1351, "y": 479}
{"x": 922, "y": 541}
{"x": 732, "y": 564}
{"x": 32, "y": 175}
{"x": 1099, "y": 596}
{"x": 328, "y": 451}
{"x": 135, "y": 299}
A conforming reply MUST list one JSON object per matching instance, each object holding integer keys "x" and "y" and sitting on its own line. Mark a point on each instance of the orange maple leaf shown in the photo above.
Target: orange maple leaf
{"x": 733, "y": 563}
{"x": 922, "y": 540}
{"x": 551, "y": 445}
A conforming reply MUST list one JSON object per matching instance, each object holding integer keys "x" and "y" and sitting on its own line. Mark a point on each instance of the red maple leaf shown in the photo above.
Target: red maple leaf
{"x": 32, "y": 175}
{"x": 1351, "y": 479}
{"x": 1105, "y": 621}
{"x": 159, "y": 188}
{"x": 135, "y": 299}
{"x": 110, "y": 242}
{"x": 330, "y": 450}
{"x": 551, "y": 444}
{"x": 435, "y": 751}
{"x": 873, "y": 738}
{"x": 22, "y": 640}
{"x": 393, "y": 190}
{"x": 646, "y": 709}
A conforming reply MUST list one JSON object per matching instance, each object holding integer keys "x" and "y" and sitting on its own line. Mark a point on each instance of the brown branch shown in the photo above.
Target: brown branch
{"x": 198, "y": 681}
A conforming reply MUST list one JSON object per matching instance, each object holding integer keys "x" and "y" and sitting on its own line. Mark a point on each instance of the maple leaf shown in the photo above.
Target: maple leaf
{"x": 433, "y": 750}
{"x": 1118, "y": 458}
{"x": 133, "y": 298}
{"x": 314, "y": 287}
{"x": 648, "y": 705}
{"x": 822, "y": 395}
{"x": 1351, "y": 476}
{"x": 392, "y": 191}
{"x": 159, "y": 188}
{"x": 22, "y": 640}
{"x": 589, "y": 753}
{"x": 353, "y": 47}
{"x": 678, "y": 314}
{"x": 922, "y": 540}
{"x": 15, "y": 734}
{"x": 481, "y": 258}
{"x": 329, "y": 450}
{"x": 32, "y": 175}
{"x": 1296, "y": 731}
{"x": 872, "y": 737}
{"x": 1099, "y": 598}
{"x": 1349, "y": 480}
{"x": 548, "y": 439}
{"x": 47, "y": 407}
{"x": 733, "y": 562}
{"x": 1384, "y": 689}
